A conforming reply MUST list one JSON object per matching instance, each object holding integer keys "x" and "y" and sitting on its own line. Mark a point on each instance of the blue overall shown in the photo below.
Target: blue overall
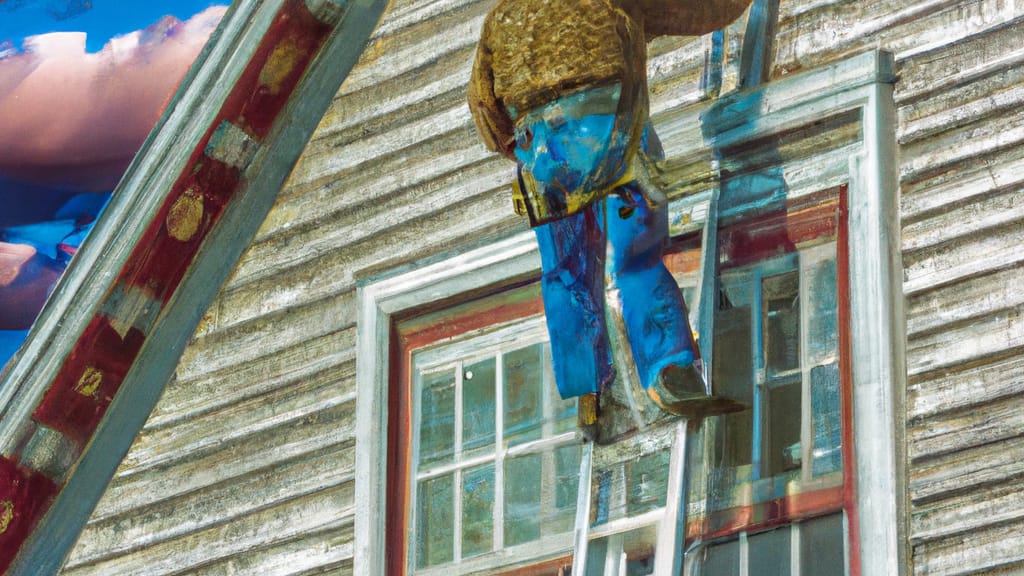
{"x": 612, "y": 244}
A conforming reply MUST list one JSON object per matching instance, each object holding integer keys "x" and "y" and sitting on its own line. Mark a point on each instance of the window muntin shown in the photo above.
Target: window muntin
{"x": 495, "y": 456}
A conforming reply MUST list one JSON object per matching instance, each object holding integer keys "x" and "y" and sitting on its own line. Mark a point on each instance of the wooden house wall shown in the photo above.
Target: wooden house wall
{"x": 246, "y": 466}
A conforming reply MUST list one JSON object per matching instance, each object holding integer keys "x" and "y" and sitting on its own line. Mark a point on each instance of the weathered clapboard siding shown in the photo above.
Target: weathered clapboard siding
{"x": 246, "y": 465}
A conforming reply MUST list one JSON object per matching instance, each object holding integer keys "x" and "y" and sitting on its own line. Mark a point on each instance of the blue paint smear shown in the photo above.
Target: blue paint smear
{"x": 101, "y": 20}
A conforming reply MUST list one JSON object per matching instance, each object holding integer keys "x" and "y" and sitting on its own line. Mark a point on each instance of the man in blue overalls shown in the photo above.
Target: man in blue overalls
{"x": 560, "y": 87}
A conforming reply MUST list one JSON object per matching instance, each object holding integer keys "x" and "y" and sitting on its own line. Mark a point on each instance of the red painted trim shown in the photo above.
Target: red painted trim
{"x": 766, "y": 514}
{"x": 846, "y": 384}
{"x": 162, "y": 258}
{"x": 470, "y": 322}
{"x": 779, "y": 232}
{"x": 399, "y": 457}
{"x": 557, "y": 567}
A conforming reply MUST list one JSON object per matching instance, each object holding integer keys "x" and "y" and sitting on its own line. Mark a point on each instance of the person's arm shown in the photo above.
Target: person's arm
{"x": 492, "y": 120}
{"x": 26, "y": 278}
{"x": 685, "y": 17}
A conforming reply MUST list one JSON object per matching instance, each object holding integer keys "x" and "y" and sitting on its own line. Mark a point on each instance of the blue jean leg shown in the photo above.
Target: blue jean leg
{"x": 572, "y": 253}
{"x": 652, "y": 306}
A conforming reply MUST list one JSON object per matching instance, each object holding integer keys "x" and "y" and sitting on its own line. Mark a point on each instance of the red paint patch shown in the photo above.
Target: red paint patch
{"x": 163, "y": 255}
{"x": 264, "y": 89}
{"x": 79, "y": 396}
{"x": 24, "y": 497}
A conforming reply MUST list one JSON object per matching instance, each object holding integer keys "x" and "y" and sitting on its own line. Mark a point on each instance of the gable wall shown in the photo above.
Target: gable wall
{"x": 246, "y": 466}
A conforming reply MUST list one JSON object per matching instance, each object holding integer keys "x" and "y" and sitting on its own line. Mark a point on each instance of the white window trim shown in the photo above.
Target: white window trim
{"x": 378, "y": 303}
{"x": 860, "y": 84}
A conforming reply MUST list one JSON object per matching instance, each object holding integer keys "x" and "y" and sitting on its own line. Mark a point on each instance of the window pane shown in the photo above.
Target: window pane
{"x": 478, "y": 406}
{"x": 826, "y": 419}
{"x": 781, "y": 322}
{"x": 821, "y": 546}
{"x": 770, "y": 553}
{"x": 628, "y": 554}
{"x": 783, "y": 442}
{"x": 567, "y": 481}
{"x": 437, "y": 419}
{"x": 522, "y": 499}
{"x": 601, "y": 498}
{"x": 435, "y": 521}
{"x": 647, "y": 482}
{"x": 523, "y": 379}
{"x": 563, "y": 411}
{"x": 722, "y": 559}
{"x": 478, "y": 510}
{"x": 823, "y": 331}
{"x": 732, "y": 374}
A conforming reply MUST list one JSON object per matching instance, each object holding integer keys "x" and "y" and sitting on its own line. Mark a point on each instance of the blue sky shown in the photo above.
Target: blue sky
{"x": 100, "y": 19}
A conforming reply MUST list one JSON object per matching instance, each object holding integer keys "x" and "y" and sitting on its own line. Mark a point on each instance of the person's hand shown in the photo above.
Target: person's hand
{"x": 26, "y": 278}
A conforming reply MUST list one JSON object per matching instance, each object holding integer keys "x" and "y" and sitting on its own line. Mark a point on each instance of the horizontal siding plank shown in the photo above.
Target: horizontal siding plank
{"x": 965, "y": 514}
{"x": 1000, "y": 95}
{"x": 341, "y": 230}
{"x": 981, "y": 338}
{"x": 462, "y": 223}
{"x": 227, "y": 502}
{"x": 305, "y": 436}
{"x": 964, "y": 142}
{"x": 402, "y": 14}
{"x": 326, "y": 552}
{"x": 198, "y": 391}
{"x": 995, "y": 549}
{"x": 839, "y": 30}
{"x": 954, "y": 62}
{"x": 963, "y": 386}
{"x": 419, "y": 165}
{"x": 972, "y": 218}
{"x": 967, "y": 258}
{"x": 971, "y": 471}
{"x": 199, "y": 436}
{"x": 966, "y": 428}
{"x": 271, "y": 333}
{"x": 328, "y": 509}
{"x": 962, "y": 182}
{"x": 400, "y": 54}
{"x": 942, "y": 308}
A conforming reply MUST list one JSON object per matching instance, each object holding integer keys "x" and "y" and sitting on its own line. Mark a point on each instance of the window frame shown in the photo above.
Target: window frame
{"x": 861, "y": 85}
{"x": 876, "y": 342}
{"x": 486, "y": 328}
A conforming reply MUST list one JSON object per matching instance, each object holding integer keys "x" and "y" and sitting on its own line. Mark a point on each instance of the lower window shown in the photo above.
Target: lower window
{"x": 492, "y": 455}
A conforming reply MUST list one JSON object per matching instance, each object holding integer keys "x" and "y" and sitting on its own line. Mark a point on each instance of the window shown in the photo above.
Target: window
{"x": 779, "y": 332}
{"x": 493, "y": 451}
{"x": 489, "y": 456}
